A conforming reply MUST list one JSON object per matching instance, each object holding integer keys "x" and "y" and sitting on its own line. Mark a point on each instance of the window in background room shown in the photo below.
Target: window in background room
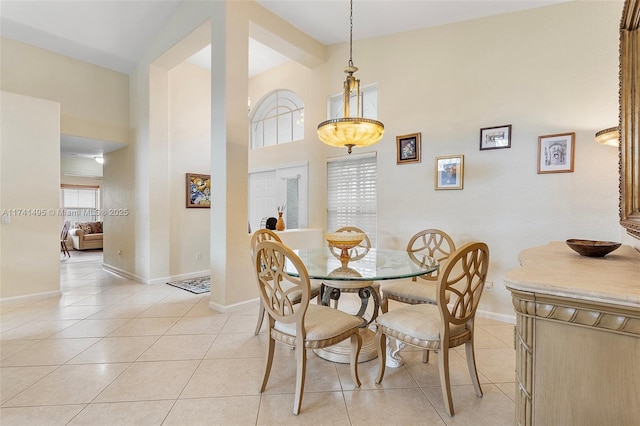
{"x": 352, "y": 193}
{"x": 278, "y": 118}
{"x": 80, "y": 203}
{"x": 368, "y": 103}
{"x": 271, "y": 188}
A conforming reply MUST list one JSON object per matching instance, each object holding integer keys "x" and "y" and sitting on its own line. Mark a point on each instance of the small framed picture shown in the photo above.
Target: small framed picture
{"x": 198, "y": 190}
{"x": 408, "y": 148}
{"x": 449, "y": 172}
{"x": 495, "y": 137}
{"x": 555, "y": 153}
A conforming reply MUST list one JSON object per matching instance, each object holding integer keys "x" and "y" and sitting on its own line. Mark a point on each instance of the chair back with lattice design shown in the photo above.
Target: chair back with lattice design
{"x": 65, "y": 231}
{"x": 285, "y": 297}
{"x": 461, "y": 282}
{"x": 430, "y": 243}
{"x": 262, "y": 235}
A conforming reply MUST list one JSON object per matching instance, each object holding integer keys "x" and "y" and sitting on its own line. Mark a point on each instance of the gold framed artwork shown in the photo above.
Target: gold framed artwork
{"x": 555, "y": 153}
{"x": 198, "y": 191}
{"x": 408, "y": 148}
{"x": 495, "y": 137}
{"x": 449, "y": 172}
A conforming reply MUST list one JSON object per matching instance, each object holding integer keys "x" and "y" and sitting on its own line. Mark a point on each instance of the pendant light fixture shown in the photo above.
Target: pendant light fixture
{"x": 350, "y": 130}
{"x": 610, "y": 136}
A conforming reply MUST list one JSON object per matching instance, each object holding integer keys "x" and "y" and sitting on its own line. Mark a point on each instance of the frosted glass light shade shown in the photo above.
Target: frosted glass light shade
{"x": 350, "y": 132}
{"x": 610, "y": 136}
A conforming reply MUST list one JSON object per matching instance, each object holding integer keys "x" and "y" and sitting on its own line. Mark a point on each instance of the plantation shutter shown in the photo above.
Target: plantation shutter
{"x": 352, "y": 193}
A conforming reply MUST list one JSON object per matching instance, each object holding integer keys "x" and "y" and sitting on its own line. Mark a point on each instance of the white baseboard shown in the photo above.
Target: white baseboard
{"x": 30, "y": 297}
{"x": 180, "y": 277}
{"x": 123, "y": 273}
{"x": 235, "y": 307}
{"x": 129, "y": 275}
{"x": 511, "y": 319}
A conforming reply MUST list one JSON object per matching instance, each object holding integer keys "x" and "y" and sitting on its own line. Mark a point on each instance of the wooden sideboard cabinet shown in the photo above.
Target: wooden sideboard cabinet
{"x": 577, "y": 337}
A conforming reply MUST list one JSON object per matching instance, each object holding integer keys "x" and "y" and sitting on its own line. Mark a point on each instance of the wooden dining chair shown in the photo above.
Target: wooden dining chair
{"x": 63, "y": 238}
{"x": 268, "y": 235}
{"x": 295, "y": 322}
{"x": 446, "y": 325}
{"x": 432, "y": 243}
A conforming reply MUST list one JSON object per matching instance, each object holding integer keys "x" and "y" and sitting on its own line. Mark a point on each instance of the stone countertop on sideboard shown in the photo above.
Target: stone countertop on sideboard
{"x": 557, "y": 270}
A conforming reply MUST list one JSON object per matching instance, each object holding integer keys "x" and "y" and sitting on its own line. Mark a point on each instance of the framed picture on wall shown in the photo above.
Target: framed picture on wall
{"x": 198, "y": 190}
{"x": 449, "y": 172}
{"x": 408, "y": 148}
{"x": 495, "y": 137}
{"x": 555, "y": 153}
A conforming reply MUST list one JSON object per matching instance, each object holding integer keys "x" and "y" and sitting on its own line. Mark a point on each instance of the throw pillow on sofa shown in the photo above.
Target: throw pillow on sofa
{"x": 84, "y": 226}
{"x": 96, "y": 227}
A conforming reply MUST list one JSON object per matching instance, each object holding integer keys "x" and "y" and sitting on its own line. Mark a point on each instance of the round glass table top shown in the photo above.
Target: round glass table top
{"x": 374, "y": 265}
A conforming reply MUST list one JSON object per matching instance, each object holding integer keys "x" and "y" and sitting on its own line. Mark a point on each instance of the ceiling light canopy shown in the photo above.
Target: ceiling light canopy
{"x": 610, "y": 136}
{"x": 350, "y": 130}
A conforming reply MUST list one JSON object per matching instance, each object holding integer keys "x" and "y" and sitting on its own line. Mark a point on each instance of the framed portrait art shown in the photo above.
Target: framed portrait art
{"x": 449, "y": 172}
{"x": 495, "y": 137}
{"x": 408, "y": 148}
{"x": 198, "y": 190}
{"x": 555, "y": 153}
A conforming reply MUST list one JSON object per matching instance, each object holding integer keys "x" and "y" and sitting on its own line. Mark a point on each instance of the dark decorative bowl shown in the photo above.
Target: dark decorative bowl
{"x": 592, "y": 248}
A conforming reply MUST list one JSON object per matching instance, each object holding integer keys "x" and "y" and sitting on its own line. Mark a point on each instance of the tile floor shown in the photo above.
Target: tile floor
{"x": 111, "y": 351}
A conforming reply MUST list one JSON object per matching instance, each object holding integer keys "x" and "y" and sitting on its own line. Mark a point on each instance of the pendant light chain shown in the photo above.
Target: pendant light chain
{"x": 350, "y": 131}
{"x": 351, "y": 33}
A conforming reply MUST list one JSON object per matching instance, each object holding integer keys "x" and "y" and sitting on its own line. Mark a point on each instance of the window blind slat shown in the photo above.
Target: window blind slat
{"x": 352, "y": 194}
{"x": 80, "y": 204}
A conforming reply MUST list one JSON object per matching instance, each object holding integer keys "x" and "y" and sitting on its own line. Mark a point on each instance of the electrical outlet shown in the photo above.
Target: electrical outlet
{"x": 198, "y": 256}
{"x": 488, "y": 285}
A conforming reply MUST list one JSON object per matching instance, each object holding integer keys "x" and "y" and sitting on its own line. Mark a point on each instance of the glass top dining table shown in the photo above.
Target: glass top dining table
{"x": 357, "y": 275}
{"x": 371, "y": 265}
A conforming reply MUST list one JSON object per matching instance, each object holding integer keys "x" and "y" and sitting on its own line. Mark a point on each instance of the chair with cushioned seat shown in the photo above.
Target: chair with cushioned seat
{"x": 64, "y": 234}
{"x": 433, "y": 243}
{"x": 295, "y": 322}
{"x": 268, "y": 235}
{"x": 447, "y": 324}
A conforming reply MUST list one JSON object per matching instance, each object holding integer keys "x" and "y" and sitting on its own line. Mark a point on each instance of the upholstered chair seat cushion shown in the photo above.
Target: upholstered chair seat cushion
{"x": 411, "y": 290}
{"x": 422, "y": 322}
{"x": 322, "y": 322}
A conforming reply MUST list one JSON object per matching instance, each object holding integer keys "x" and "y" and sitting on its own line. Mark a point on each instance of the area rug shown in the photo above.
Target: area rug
{"x": 194, "y": 285}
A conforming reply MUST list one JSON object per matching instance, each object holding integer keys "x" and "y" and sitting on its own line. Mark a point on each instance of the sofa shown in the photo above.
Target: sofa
{"x": 86, "y": 235}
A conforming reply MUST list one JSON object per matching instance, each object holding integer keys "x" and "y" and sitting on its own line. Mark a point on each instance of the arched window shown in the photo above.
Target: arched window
{"x": 278, "y": 118}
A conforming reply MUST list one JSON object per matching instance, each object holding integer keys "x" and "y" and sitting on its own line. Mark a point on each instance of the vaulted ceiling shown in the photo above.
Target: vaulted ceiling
{"x": 115, "y": 34}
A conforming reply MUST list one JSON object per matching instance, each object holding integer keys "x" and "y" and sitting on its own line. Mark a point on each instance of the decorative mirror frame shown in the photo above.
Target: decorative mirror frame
{"x": 630, "y": 118}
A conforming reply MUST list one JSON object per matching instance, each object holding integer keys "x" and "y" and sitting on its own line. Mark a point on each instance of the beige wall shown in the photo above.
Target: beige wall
{"x": 94, "y": 101}
{"x": 29, "y": 188}
{"x": 544, "y": 71}
{"x": 74, "y": 166}
{"x": 313, "y": 85}
{"x": 547, "y": 70}
{"x": 147, "y": 161}
{"x": 189, "y": 152}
